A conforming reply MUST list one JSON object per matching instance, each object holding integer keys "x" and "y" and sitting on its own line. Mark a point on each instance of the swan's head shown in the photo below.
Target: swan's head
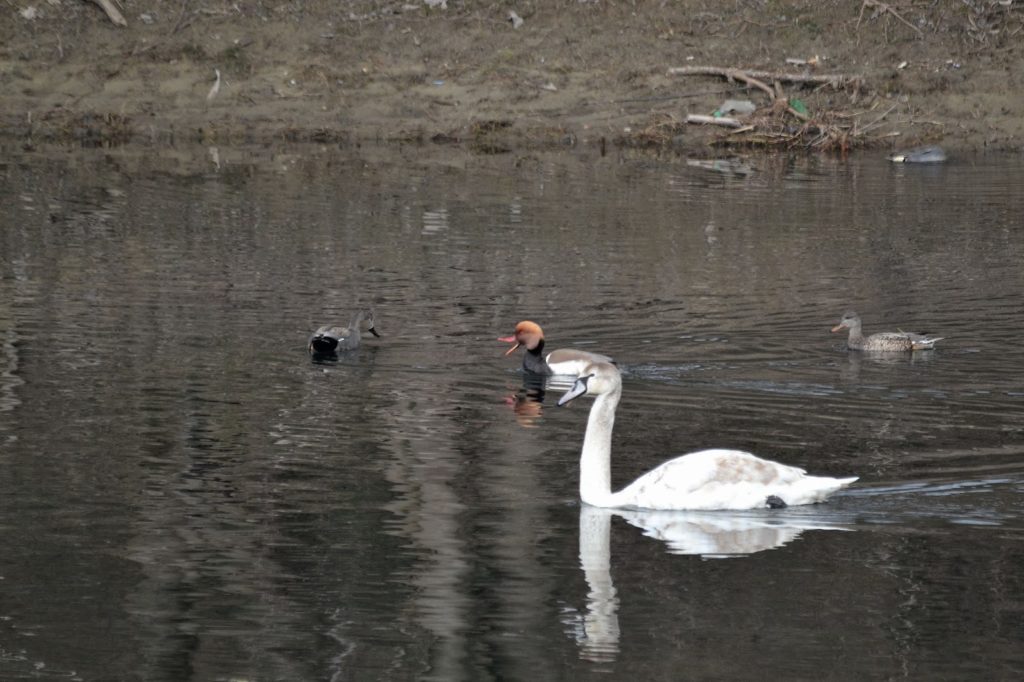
{"x": 595, "y": 379}
{"x": 849, "y": 321}
{"x": 527, "y": 334}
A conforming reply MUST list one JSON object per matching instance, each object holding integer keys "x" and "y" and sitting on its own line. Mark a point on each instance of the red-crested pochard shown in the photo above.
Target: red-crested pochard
{"x": 566, "y": 361}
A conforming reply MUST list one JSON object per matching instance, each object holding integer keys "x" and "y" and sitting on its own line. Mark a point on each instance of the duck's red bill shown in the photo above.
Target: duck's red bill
{"x": 509, "y": 339}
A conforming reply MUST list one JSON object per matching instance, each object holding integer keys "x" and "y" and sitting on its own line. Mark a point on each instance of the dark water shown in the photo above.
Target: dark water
{"x": 184, "y": 495}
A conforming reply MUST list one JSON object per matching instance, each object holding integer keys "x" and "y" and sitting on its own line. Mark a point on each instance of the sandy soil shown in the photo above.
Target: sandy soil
{"x": 573, "y": 72}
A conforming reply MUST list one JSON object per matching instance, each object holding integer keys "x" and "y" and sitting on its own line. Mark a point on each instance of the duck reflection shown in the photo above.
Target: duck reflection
{"x": 526, "y": 406}
{"x": 850, "y": 370}
{"x": 527, "y": 402}
{"x": 710, "y": 535}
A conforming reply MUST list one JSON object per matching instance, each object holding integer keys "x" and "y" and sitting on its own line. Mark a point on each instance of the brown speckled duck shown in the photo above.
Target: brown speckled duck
{"x": 883, "y": 341}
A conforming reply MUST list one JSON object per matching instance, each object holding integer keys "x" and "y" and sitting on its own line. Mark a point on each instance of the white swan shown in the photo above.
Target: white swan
{"x": 705, "y": 480}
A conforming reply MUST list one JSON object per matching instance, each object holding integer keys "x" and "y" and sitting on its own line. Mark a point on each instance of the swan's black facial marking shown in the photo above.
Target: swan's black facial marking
{"x": 579, "y": 388}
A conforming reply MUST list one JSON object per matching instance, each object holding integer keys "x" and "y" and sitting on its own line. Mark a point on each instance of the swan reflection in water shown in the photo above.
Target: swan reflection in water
{"x": 710, "y": 535}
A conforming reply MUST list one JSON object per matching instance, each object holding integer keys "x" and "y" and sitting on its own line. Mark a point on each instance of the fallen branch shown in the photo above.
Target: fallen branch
{"x": 758, "y": 77}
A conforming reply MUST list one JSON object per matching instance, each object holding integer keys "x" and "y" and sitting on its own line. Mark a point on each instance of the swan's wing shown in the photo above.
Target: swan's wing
{"x": 710, "y": 479}
{"x": 724, "y": 467}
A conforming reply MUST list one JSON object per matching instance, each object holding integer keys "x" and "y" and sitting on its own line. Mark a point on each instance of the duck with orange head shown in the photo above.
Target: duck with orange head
{"x": 564, "y": 361}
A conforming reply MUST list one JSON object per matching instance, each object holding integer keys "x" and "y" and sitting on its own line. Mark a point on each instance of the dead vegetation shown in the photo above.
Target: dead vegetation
{"x": 812, "y": 110}
{"x": 571, "y": 72}
{"x": 785, "y": 120}
{"x": 88, "y": 129}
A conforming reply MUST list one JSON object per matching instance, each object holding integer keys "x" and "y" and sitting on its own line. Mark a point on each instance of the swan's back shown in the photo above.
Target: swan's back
{"x": 572, "y": 361}
{"x": 725, "y": 479}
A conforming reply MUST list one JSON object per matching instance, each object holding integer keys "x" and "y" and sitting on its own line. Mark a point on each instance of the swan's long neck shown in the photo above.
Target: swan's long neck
{"x": 596, "y": 459}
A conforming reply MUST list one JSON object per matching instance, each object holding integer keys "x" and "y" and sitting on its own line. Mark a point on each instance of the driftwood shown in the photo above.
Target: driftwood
{"x": 112, "y": 12}
{"x": 758, "y": 78}
{"x": 712, "y": 120}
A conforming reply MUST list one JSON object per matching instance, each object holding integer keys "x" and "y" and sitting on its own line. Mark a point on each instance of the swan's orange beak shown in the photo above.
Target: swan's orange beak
{"x": 509, "y": 339}
{"x": 837, "y": 328}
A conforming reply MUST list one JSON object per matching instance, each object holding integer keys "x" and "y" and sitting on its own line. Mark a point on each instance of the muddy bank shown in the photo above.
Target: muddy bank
{"x": 556, "y": 74}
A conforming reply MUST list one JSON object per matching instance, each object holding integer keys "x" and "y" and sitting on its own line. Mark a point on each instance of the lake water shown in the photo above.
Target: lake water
{"x": 185, "y": 495}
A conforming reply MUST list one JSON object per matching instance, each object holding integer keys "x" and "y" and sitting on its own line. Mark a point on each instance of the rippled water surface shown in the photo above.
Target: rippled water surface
{"x": 185, "y": 495}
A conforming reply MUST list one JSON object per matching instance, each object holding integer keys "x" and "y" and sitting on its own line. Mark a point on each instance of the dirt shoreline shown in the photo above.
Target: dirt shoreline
{"x": 572, "y": 73}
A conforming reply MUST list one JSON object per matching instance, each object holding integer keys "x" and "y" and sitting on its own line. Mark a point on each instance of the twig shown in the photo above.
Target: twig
{"x": 181, "y": 17}
{"x": 878, "y": 120}
{"x": 711, "y": 120}
{"x": 802, "y": 117}
{"x": 744, "y": 129}
{"x": 886, "y": 9}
